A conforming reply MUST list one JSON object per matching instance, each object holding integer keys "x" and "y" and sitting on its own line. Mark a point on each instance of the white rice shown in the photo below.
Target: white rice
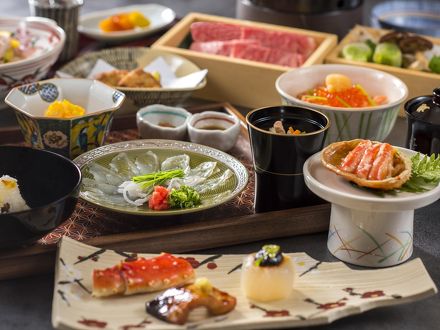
{"x": 10, "y": 197}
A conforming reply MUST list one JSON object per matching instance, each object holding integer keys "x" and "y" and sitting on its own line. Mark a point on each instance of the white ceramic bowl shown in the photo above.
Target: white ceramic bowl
{"x": 374, "y": 123}
{"x": 72, "y": 136}
{"x": 159, "y": 121}
{"x": 214, "y": 129}
{"x": 50, "y": 40}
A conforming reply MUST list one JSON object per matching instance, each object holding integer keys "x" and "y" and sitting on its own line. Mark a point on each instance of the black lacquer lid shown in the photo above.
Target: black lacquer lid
{"x": 425, "y": 108}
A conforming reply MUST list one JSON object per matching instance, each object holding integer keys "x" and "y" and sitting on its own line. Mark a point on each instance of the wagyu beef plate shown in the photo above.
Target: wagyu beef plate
{"x": 251, "y": 43}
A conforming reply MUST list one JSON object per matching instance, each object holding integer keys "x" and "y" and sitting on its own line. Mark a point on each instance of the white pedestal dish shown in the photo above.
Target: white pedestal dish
{"x": 366, "y": 229}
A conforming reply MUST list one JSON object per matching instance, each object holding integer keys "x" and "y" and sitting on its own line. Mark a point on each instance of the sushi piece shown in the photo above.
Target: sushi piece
{"x": 10, "y": 196}
{"x": 267, "y": 275}
{"x": 142, "y": 275}
{"x": 174, "y": 305}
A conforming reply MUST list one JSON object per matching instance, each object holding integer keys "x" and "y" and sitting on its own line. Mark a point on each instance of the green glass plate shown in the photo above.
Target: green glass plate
{"x": 164, "y": 149}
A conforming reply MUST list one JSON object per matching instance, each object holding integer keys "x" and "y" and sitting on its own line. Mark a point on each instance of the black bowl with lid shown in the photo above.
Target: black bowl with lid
{"x": 423, "y": 114}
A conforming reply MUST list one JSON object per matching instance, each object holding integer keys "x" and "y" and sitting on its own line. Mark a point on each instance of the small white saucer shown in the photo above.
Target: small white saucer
{"x": 366, "y": 229}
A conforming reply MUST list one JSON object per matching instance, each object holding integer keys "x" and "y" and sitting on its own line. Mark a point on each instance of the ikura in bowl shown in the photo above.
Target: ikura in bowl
{"x": 347, "y": 123}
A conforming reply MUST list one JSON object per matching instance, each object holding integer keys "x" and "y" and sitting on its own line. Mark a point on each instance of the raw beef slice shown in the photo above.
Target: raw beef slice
{"x": 207, "y": 31}
{"x": 250, "y": 52}
{"x": 219, "y": 47}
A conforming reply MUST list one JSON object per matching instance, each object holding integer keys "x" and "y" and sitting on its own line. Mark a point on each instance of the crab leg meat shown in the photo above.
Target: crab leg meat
{"x": 142, "y": 275}
{"x": 354, "y": 157}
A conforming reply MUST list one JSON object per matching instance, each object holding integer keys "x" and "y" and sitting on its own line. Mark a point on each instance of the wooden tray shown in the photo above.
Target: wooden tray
{"x": 418, "y": 82}
{"x": 222, "y": 226}
{"x": 242, "y": 82}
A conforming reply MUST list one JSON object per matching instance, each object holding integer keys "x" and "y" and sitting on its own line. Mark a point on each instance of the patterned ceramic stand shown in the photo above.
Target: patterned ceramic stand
{"x": 366, "y": 229}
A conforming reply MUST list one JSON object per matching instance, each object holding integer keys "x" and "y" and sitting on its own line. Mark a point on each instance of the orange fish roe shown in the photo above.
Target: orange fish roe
{"x": 346, "y": 97}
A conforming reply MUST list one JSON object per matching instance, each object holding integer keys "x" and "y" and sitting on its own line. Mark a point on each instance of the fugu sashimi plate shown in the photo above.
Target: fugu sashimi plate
{"x": 108, "y": 174}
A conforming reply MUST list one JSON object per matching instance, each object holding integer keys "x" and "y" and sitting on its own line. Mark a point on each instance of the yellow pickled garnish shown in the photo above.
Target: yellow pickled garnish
{"x": 138, "y": 19}
{"x": 203, "y": 285}
{"x": 14, "y": 43}
{"x": 124, "y": 21}
{"x": 9, "y": 183}
{"x": 8, "y": 56}
{"x": 64, "y": 109}
{"x": 156, "y": 75}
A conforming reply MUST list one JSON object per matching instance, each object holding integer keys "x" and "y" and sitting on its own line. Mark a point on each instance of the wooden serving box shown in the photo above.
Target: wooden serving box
{"x": 241, "y": 82}
{"x": 418, "y": 82}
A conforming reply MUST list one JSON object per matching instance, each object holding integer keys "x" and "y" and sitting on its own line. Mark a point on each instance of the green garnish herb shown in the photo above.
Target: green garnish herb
{"x": 425, "y": 173}
{"x": 268, "y": 255}
{"x": 343, "y": 102}
{"x": 157, "y": 178}
{"x": 364, "y": 92}
{"x": 315, "y": 98}
{"x": 184, "y": 197}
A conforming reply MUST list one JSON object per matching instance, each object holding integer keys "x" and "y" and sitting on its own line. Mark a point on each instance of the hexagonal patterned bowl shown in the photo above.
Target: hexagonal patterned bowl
{"x": 68, "y": 137}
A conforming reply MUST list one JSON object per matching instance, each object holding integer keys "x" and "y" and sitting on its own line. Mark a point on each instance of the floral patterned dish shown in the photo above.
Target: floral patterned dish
{"x": 68, "y": 137}
{"x": 323, "y": 292}
{"x": 48, "y": 41}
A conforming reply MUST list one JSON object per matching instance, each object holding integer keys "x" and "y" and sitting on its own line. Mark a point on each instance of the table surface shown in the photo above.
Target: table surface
{"x": 26, "y": 303}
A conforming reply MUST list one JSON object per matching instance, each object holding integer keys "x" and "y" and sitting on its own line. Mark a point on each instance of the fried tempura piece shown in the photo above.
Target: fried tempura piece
{"x": 111, "y": 78}
{"x": 138, "y": 78}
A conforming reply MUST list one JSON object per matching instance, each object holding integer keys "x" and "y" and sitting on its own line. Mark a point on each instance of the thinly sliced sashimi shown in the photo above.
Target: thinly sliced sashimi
{"x": 176, "y": 162}
{"x": 383, "y": 164}
{"x": 213, "y": 31}
{"x": 122, "y": 165}
{"x": 367, "y": 161}
{"x": 147, "y": 163}
{"x": 354, "y": 157}
{"x": 142, "y": 275}
{"x": 104, "y": 175}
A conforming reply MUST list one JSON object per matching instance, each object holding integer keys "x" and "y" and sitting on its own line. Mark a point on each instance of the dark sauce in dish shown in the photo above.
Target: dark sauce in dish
{"x": 213, "y": 128}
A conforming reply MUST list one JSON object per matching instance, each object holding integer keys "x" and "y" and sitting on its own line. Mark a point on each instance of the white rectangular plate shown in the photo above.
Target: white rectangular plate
{"x": 323, "y": 292}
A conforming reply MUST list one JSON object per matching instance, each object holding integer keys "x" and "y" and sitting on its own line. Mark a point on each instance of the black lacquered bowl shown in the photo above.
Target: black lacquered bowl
{"x": 49, "y": 183}
{"x": 279, "y": 158}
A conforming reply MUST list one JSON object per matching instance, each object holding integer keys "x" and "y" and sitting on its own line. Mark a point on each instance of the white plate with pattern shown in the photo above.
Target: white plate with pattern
{"x": 323, "y": 292}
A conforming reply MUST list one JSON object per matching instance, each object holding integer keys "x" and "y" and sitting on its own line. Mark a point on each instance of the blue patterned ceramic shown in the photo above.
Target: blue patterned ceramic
{"x": 68, "y": 137}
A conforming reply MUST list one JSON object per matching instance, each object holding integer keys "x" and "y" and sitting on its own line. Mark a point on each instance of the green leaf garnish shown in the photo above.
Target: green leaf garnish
{"x": 184, "y": 197}
{"x": 157, "y": 178}
{"x": 425, "y": 173}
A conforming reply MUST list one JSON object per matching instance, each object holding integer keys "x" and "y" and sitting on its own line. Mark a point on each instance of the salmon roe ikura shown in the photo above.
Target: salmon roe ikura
{"x": 339, "y": 91}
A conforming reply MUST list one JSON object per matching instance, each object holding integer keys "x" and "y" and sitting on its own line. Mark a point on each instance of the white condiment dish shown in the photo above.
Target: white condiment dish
{"x": 214, "y": 129}
{"x": 159, "y": 121}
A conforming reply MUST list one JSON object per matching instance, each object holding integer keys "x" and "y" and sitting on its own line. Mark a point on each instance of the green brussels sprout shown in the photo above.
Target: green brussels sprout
{"x": 434, "y": 64}
{"x": 357, "y": 51}
{"x": 388, "y": 53}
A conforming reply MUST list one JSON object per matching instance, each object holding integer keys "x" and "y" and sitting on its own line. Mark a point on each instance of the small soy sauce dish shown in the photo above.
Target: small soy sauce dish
{"x": 279, "y": 158}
